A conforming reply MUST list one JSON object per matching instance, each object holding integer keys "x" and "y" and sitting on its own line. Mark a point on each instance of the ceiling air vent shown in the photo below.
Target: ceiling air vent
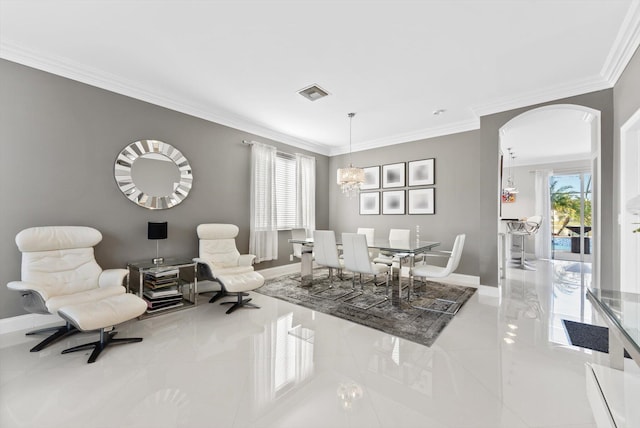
{"x": 313, "y": 92}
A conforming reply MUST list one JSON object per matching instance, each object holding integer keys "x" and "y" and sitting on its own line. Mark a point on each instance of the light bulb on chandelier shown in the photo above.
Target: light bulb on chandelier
{"x": 351, "y": 178}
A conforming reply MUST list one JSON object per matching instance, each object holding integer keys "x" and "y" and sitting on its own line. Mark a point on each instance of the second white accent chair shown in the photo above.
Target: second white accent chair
{"x": 325, "y": 252}
{"x": 357, "y": 260}
{"x": 219, "y": 260}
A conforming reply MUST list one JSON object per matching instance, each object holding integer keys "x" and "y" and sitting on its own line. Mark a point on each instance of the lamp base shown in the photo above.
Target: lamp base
{"x": 158, "y": 260}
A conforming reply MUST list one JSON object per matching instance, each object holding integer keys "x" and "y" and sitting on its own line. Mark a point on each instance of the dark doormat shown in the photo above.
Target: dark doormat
{"x": 589, "y": 336}
{"x": 367, "y": 305}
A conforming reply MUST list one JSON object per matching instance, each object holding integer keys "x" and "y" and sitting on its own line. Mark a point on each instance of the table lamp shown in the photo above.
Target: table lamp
{"x": 157, "y": 231}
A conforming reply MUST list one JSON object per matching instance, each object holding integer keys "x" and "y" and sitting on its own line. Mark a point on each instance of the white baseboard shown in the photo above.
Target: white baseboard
{"x": 27, "y": 322}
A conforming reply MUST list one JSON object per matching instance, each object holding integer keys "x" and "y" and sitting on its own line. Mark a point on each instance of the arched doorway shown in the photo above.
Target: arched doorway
{"x": 556, "y": 144}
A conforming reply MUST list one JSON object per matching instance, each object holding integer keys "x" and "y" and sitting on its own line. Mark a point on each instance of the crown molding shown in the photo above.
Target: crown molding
{"x": 625, "y": 45}
{"x": 595, "y": 83}
{"x": 455, "y": 128}
{"x": 81, "y": 73}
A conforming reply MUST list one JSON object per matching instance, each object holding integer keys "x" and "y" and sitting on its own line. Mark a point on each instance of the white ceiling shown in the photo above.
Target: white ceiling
{"x": 241, "y": 63}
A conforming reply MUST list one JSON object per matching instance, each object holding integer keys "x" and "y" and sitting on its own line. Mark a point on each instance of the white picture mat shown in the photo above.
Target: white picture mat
{"x": 422, "y": 201}
{"x": 371, "y": 178}
{"x": 393, "y": 175}
{"x": 393, "y": 202}
{"x": 370, "y": 203}
{"x": 422, "y": 172}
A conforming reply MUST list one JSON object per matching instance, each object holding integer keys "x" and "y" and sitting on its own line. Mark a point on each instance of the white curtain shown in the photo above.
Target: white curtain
{"x": 305, "y": 192}
{"x": 263, "y": 232}
{"x": 543, "y": 208}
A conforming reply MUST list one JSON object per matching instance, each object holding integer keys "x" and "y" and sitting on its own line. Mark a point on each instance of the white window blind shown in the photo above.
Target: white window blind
{"x": 285, "y": 191}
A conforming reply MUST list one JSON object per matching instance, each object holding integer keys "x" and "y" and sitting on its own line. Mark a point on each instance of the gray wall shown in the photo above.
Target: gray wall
{"x": 58, "y": 143}
{"x": 626, "y": 101}
{"x": 457, "y": 194}
{"x": 467, "y": 188}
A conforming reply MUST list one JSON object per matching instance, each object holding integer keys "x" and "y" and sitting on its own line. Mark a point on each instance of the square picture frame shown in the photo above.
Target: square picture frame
{"x": 370, "y": 203}
{"x": 393, "y": 175}
{"x": 371, "y": 178}
{"x": 422, "y": 201}
{"x": 422, "y": 172}
{"x": 393, "y": 202}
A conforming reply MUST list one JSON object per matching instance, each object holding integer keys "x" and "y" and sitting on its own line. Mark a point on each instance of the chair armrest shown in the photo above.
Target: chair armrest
{"x": 112, "y": 277}
{"x": 205, "y": 270}
{"x": 438, "y": 254}
{"x": 246, "y": 259}
{"x": 28, "y": 287}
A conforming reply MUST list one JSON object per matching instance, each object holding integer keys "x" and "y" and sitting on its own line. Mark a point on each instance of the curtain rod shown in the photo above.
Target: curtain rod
{"x": 250, "y": 143}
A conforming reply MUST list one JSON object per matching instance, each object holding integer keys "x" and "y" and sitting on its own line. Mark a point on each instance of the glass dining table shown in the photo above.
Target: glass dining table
{"x": 404, "y": 251}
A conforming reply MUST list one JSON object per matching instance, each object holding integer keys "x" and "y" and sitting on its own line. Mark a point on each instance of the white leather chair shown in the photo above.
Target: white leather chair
{"x": 219, "y": 260}
{"x": 357, "y": 260}
{"x": 395, "y": 235}
{"x": 523, "y": 229}
{"x": 427, "y": 271}
{"x": 325, "y": 252}
{"x": 59, "y": 270}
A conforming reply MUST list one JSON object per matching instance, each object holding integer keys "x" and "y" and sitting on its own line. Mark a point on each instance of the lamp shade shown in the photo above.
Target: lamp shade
{"x": 157, "y": 230}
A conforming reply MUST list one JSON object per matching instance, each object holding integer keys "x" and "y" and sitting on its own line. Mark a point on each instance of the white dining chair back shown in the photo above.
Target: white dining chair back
{"x": 401, "y": 235}
{"x": 456, "y": 254}
{"x": 369, "y": 232}
{"x": 357, "y": 260}
{"x": 325, "y": 251}
{"x": 356, "y": 253}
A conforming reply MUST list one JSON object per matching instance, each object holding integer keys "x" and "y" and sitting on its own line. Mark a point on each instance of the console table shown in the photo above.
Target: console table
{"x": 166, "y": 287}
{"x": 614, "y": 393}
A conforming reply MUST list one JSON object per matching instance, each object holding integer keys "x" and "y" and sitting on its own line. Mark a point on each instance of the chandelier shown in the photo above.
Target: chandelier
{"x": 350, "y": 179}
{"x": 510, "y": 187}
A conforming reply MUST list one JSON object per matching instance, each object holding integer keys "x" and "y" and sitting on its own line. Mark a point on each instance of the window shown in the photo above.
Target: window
{"x": 285, "y": 191}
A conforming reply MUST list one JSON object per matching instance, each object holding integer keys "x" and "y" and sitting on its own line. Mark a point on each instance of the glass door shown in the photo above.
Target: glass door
{"x": 571, "y": 196}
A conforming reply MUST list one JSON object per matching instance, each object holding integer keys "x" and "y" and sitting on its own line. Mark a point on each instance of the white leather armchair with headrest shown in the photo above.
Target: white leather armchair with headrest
{"x": 219, "y": 260}
{"x": 218, "y": 251}
{"x": 59, "y": 269}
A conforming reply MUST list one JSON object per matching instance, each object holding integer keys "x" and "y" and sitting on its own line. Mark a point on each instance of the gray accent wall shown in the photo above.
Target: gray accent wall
{"x": 58, "y": 143}
{"x": 457, "y": 194}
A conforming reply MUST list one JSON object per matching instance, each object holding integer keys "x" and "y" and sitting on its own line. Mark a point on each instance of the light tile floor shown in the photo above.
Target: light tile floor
{"x": 503, "y": 361}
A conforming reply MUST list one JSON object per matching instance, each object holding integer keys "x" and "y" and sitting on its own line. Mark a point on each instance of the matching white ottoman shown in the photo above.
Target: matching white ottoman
{"x": 101, "y": 314}
{"x": 238, "y": 284}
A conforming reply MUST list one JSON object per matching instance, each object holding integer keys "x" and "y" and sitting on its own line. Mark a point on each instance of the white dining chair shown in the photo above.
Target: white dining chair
{"x": 395, "y": 235}
{"x": 427, "y": 271}
{"x": 325, "y": 252}
{"x": 357, "y": 261}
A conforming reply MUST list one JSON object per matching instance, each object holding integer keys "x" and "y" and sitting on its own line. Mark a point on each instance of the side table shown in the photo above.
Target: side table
{"x": 166, "y": 287}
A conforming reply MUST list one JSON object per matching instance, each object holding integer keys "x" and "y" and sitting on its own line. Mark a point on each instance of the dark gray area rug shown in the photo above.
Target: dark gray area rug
{"x": 589, "y": 336}
{"x": 369, "y": 307}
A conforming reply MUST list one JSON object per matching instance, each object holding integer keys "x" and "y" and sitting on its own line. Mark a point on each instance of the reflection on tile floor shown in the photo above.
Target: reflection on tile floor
{"x": 503, "y": 361}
